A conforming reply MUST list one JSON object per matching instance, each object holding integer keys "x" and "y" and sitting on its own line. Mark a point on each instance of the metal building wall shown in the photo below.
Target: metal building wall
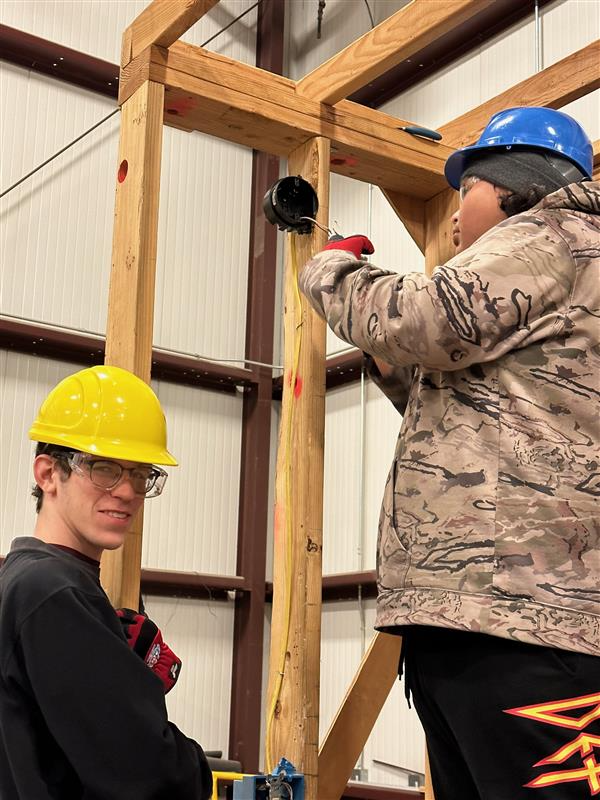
{"x": 56, "y": 253}
{"x": 342, "y": 22}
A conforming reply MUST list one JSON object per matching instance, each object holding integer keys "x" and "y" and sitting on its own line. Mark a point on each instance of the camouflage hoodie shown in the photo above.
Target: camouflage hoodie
{"x": 489, "y": 519}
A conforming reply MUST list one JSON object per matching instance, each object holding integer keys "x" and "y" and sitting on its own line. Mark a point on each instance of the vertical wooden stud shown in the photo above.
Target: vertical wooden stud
{"x": 131, "y": 291}
{"x": 292, "y": 728}
{"x": 438, "y": 228}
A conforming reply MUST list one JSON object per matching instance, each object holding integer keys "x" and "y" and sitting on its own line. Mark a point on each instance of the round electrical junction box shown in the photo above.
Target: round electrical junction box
{"x": 288, "y": 201}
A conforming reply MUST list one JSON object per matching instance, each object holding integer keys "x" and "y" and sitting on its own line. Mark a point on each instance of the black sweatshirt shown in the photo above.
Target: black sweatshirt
{"x": 81, "y": 715}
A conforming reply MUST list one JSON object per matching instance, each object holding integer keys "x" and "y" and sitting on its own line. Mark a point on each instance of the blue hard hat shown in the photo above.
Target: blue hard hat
{"x": 527, "y": 127}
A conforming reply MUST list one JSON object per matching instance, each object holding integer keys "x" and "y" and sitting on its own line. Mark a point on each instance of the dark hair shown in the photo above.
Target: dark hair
{"x": 53, "y": 450}
{"x": 516, "y": 203}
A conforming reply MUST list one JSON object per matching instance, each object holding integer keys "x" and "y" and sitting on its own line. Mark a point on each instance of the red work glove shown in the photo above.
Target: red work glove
{"x": 145, "y": 639}
{"x": 358, "y": 245}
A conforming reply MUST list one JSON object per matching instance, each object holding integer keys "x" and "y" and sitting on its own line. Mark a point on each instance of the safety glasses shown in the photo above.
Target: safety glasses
{"x": 145, "y": 479}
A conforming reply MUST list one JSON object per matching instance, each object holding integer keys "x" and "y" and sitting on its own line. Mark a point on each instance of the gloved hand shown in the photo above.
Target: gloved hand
{"x": 358, "y": 245}
{"x": 146, "y": 640}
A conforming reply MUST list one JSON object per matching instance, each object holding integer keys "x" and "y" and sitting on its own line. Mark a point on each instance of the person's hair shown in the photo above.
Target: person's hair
{"x": 518, "y": 202}
{"x": 55, "y": 450}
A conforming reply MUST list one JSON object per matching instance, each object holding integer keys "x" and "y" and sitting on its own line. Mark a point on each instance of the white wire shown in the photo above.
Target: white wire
{"x": 100, "y": 336}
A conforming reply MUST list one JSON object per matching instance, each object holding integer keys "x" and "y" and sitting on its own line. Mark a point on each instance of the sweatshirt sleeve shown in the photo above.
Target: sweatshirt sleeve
{"x": 395, "y": 385}
{"x": 510, "y": 289}
{"x": 104, "y": 707}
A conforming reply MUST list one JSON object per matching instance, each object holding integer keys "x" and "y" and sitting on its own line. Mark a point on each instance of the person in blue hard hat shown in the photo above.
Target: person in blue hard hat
{"x": 488, "y": 556}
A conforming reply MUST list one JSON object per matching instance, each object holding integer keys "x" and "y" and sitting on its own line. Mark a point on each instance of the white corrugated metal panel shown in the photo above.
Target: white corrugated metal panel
{"x": 201, "y": 633}
{"x": 357, "y": 207}
{"x": 394, "y": 248}
{"x": 340, "y": 656}
{"x": 565, "y": 28}
{"x": 24, "y": 382}
{"x": 397, "y": 736}
{"x": 341, "y": 490}
{"x": 343, "y": 21}
{"x": 57, "y": 226}
{"x": 265, "y": 682}
{"x": 348, "y": 214}
{"x": 274, "y": 437}
{"x": 193, "y": 525}
{"x": 96, "y": 26}
{"x": 204, "y": 229}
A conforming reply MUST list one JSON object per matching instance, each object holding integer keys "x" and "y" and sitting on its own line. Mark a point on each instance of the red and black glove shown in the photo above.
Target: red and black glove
{"x": 146, "y": 640}
{"x": 358, "y": 245}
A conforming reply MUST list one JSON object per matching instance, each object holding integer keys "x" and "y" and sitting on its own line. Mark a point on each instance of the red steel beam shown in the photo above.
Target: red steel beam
{"x": 254, "y": 507}
{"x": 37, "y": 340}
{"x": 57, "y": 61}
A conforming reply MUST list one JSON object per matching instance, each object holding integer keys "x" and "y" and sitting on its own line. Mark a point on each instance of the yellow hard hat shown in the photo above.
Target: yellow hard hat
{"x": 106, "y": 411}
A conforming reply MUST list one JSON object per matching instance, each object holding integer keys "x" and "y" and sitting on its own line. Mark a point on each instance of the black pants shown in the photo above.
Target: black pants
{"x": 505, "y": 720}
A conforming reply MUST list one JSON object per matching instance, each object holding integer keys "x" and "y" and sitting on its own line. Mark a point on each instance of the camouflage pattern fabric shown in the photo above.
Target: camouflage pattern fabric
{"x": 489, "y": 519}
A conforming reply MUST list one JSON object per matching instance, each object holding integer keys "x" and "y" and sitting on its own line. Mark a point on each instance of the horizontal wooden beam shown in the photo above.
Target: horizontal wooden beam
{"x": 395, "y": 39}
{"x": 240, "y": 103}
{"x": 484, "y": 26}
{"x": 161, "y": 23}
{"x": 554, "y": 87}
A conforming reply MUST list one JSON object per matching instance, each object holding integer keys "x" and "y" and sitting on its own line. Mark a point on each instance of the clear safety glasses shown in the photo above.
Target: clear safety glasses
{"x": 468, "y": 184}
{"x": 145, "y": 479}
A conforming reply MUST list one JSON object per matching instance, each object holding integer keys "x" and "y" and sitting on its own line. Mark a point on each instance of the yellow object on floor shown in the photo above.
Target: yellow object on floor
{"x": 223, "y": 779}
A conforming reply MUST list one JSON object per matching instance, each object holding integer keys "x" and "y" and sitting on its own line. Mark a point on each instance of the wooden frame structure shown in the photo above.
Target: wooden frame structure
{"x": 164, "y": 81}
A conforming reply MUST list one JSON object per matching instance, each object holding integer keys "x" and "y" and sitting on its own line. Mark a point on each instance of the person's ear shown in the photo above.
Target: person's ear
{"x": 45, "y": 473}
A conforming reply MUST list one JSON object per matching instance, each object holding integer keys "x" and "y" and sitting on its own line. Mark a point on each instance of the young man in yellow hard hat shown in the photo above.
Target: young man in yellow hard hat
{"x": 82, "y": 709}
{"x": 488, "y": 555}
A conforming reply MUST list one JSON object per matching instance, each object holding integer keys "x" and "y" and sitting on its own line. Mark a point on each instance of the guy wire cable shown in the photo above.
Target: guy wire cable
{"x": 287, "y": 509}
{"x": 112, "y": 113}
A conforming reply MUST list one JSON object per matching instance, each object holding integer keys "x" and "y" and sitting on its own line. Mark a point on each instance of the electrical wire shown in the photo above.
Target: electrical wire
{"x": 100, "y": 336}
{"x": 60, "y": 152}
{"x": 112, "y": 113}
{"x": 233, "y": 21}
{"x": 370, "y": 14}
{"x": 289, "y": 428}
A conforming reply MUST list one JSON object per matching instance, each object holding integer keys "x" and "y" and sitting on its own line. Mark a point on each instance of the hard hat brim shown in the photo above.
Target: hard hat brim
{"x": 139, "y": 452}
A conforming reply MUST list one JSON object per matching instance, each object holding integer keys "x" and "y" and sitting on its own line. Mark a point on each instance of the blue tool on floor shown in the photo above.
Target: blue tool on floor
{"x": 284, "y": 783}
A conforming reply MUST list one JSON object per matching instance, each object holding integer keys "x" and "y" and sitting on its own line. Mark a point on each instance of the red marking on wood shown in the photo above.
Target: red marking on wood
{"x": 349, "y": 161}
{"x": 179, "y": 106}
{"x": 122, "y": 173}
{"x": 297, "y": 384}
